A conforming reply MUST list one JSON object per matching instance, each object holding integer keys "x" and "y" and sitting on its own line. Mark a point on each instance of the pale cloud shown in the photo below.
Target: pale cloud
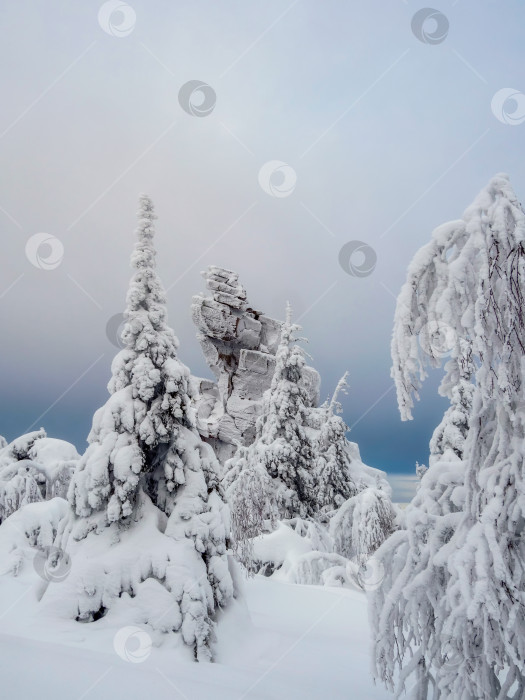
{"x": 403, "y": 487}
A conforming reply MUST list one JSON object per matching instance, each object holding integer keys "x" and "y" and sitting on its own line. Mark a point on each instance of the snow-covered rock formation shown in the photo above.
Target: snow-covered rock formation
{"x": 239, "y": 344}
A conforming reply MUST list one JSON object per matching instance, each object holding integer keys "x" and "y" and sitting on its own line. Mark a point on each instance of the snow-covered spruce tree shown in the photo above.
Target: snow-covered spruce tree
{"x": 274, "y": 478}
{"x": 133, "y": 442}
{"x": 450, "y": 610}
{"x": 340, "y": 474}
{"x": 282, "y": 445}
{"x": 301, "y": 450}
{"x": 149, "y": 519}
{"x": 282, "y": 441}
{"x": 333, "y": 469}
{"x": 354, "y": 498}
{"x": 403, "y": 608}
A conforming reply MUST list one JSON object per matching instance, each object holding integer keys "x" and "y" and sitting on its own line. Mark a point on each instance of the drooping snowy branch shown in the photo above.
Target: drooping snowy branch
{"x": 427, "y": 320}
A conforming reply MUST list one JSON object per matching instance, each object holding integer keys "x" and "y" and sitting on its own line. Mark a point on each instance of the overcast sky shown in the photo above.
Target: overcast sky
{"x": 388, "y": 125}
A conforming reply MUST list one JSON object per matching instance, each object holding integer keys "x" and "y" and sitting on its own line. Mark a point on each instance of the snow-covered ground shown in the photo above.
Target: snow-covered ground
{"x": 291, "y": 642}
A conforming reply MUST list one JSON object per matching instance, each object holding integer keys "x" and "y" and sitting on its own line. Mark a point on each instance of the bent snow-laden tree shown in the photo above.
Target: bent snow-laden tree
{"x": 451, "y": 609}
{"x": 251, "y": 496}
{"x": 362, "y": 524}
{"x": 149, "y": 520}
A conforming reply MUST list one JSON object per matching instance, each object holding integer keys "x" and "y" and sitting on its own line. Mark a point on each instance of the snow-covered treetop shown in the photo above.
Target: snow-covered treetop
{"x": 334, "y": 406}
{"x": 289, "y": 358}
{"x": 147, "y": 337}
